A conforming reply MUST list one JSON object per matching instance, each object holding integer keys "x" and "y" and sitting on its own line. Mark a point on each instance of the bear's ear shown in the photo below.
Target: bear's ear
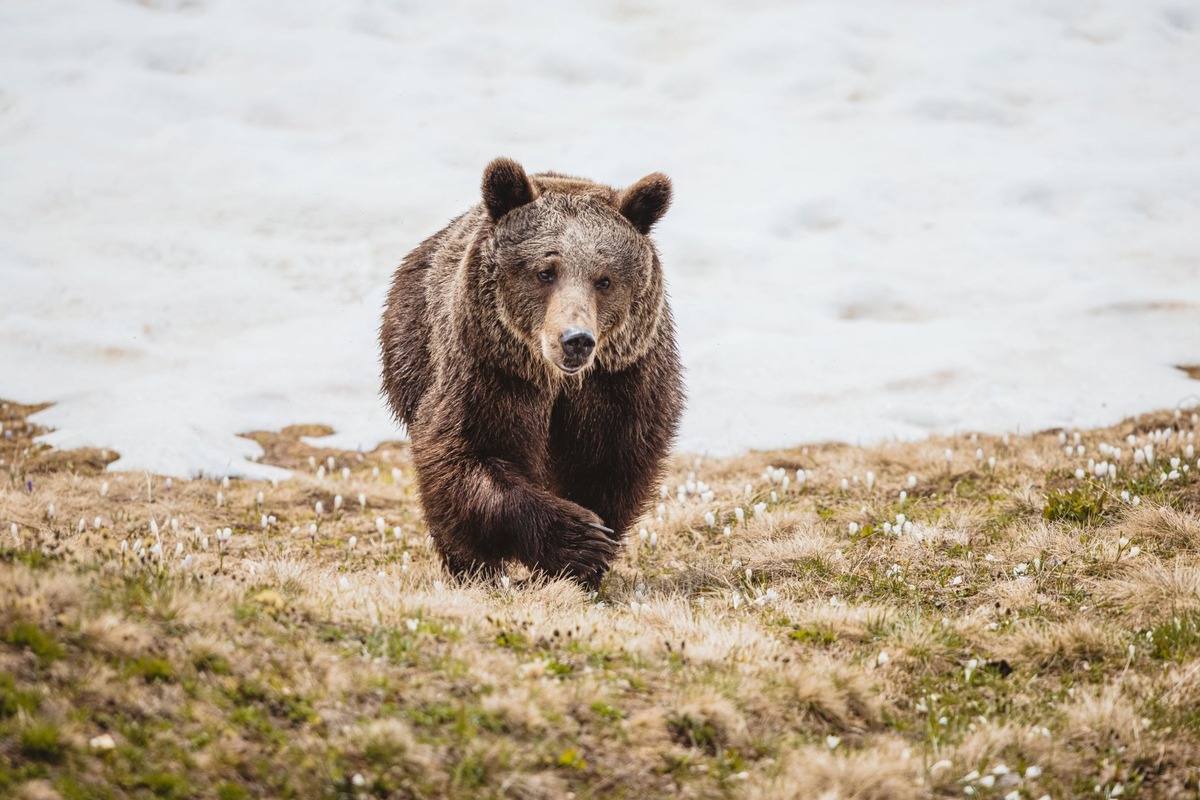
{"x": 505, "y": 187}
{"x": 644, "y": 203}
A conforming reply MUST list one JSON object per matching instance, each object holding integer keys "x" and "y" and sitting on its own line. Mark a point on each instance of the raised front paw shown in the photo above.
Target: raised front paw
{"x": 582, "y": 549}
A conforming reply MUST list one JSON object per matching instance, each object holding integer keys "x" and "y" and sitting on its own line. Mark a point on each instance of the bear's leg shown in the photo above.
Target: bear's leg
{"x": 488, "y": 512}
{"x": 611, "y": 439}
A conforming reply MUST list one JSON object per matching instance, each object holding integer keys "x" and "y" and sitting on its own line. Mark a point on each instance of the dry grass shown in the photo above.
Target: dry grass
{"x": 1026, "y": 631}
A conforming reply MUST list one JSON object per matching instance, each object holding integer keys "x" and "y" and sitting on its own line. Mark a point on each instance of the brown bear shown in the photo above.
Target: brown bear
{"x": 528, "y": 348}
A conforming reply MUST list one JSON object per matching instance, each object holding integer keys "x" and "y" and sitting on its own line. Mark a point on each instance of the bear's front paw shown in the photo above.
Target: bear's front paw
{"x": 582, "y": 550}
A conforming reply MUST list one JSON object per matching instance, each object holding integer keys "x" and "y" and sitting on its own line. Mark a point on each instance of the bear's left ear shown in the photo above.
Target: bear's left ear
{"x": 644, "y": 203}
{"x": 505, "y": 187}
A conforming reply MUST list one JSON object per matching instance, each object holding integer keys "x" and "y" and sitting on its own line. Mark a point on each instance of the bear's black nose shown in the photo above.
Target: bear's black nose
{"x": 577, "y": 344}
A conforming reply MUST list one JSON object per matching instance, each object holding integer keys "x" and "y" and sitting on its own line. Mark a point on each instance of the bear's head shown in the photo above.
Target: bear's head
{"x": 576, "y": 277}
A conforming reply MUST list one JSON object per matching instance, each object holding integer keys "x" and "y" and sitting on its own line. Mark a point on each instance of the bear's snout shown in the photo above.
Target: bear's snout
{"x": 577, "y": 345}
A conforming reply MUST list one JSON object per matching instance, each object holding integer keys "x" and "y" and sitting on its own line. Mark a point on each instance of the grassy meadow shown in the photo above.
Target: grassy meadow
{"x": 971, "y": 616}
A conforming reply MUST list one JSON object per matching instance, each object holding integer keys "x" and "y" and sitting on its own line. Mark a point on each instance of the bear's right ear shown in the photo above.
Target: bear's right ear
{"x": 505, "y": 187}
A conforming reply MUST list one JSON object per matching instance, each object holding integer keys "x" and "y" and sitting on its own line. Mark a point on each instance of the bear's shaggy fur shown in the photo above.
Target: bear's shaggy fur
{"x": 529, "y": 349}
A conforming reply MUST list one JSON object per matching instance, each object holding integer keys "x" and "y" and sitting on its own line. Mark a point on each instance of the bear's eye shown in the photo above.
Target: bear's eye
{"x": 546, "y": 276}
{"x": 603, "y": 283}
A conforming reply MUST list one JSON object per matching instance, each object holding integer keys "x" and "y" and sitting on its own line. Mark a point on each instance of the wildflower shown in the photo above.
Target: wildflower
{"x": 337, "y": 502}
{"x": 220, "y": 498}
{"x": 225, "y": 482}
{"x": 413, "y": 624}
{"x": 353, "y": 542}
{"x": 82, "y": 525}
{"x": 845, "y": 485}
{"x": 345, "y": 473}
{"x": 801, "y": 476}
{"x": 1033, "y": 772}
{"x": 903, "y": 495}
{"x": 883, "y": 658}
{"x": 102, "y": 742}
{"x": 832, "y": 742}
{"x": 987, "y": 781}
{"x": 321, "y": 473}
{"x": 769, "y": 596}
{"x": 710, "y": 519}
{"x": 853, "y": 528}
{"x": 362, "y": 500}
{"x": 320, "y": 508}
{"x": 396, "y": 533}
{"x": 104, "y": 489}
{"x": 654, "y": 540}
{"x": 727, "y": 531}
{"x": 870, "y": 480}
{"x": 761, "y": 507}
{"x": 740, "y": 515}
{"x": 438, "y": 585}
{"x": 187, "y": 561}
{"x": 912, "y": 481}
